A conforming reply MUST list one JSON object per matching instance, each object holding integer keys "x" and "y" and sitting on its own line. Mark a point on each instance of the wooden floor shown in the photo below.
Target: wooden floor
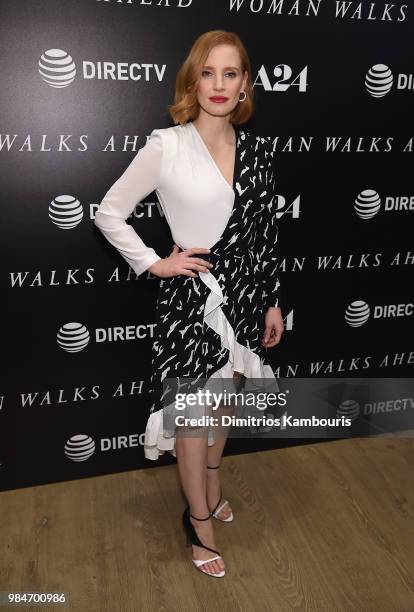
{"x": 323, "y": 527}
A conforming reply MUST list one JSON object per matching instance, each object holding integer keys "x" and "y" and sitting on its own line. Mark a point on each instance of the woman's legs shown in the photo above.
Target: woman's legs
{"x": 191, "y": 455}
{"x": 214, "y": 454}
{"x": 192, "y": 452}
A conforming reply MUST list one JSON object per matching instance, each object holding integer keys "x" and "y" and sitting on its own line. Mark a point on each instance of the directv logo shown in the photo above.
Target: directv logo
{"x": 379, "y": 81}
{"x": 358, "y": 312}
{"x": 57, "y": 69}
{"x": 81, "y": 447}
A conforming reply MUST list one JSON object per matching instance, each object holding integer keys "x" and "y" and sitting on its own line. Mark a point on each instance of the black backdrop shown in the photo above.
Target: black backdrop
{"x": 343, "y": 153}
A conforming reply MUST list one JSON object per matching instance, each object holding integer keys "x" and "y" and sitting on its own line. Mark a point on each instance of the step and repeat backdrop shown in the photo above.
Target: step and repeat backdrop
{"x": 83, "y": 84}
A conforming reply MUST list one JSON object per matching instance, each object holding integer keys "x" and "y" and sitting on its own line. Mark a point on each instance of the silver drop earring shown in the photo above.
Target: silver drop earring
{"x": 245, "y": 96}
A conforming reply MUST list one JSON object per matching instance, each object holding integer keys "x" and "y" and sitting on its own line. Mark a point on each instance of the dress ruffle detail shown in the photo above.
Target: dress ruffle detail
{"x": 241, "y": 359}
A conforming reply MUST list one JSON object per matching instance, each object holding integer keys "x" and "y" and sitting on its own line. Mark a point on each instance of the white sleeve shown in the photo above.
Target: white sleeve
{"x": 140, "y": 178}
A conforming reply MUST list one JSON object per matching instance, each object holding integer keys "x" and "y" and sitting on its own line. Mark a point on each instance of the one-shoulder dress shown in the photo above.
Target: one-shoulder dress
{"x": 211, "y": 325}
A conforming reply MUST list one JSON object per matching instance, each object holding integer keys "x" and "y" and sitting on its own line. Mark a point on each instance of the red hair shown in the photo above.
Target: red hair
{"x": 186, "y": 106}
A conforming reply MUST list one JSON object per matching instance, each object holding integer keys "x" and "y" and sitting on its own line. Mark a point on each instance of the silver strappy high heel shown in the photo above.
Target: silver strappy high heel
{"x": 192, "y": 538}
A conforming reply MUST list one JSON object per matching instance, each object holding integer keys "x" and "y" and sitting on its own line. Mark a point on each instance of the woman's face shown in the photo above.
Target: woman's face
{"x": 221, "y": 79}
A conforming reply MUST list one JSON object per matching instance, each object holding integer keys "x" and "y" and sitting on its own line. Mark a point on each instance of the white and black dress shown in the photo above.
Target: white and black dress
{"x": 211, "y": 325}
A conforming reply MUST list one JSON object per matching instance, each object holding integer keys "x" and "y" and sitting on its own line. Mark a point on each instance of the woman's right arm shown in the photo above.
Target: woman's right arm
{"x": 140, "y": 179}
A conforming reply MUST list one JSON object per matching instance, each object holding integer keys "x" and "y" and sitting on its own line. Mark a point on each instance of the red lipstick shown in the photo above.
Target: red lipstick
{"x": 218, "y": 99}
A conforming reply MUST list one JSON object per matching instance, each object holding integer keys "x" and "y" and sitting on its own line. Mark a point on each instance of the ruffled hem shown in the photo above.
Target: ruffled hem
{"x": 156, "y": 443}
{"x": 241, "y": 359}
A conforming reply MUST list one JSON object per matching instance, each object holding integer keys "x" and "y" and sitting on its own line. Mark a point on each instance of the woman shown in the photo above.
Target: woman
{"x": 218, "y": 307}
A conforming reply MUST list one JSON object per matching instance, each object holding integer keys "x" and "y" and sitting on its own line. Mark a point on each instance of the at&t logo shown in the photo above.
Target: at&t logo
{"x": 57, "y": 69}
{"x": 81, "y": 447}
{"x": 379, "y": 81}
{"x": 358, "y": 312}
{"x": 74, "y": 337}
{"x": 368, "y": 203}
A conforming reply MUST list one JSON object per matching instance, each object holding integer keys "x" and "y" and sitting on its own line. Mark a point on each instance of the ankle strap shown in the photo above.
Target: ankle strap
{"x": 215, "y": 467}
{"x": 200, "y": 519}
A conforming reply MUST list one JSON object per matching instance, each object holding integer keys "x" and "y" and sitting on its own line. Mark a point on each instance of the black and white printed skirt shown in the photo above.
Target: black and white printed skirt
{"x": 208, "y": 326}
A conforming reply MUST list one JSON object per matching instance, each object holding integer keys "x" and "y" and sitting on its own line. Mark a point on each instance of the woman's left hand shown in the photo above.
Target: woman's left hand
{"x": 273, "y": 327}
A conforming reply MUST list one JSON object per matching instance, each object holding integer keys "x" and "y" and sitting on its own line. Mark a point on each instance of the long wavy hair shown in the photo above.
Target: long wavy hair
{"x": 186, "y": 106}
